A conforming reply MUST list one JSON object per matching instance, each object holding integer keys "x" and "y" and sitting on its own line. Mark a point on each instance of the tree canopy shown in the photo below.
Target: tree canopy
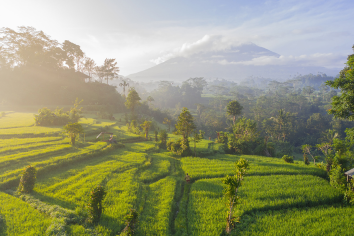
{"x": 133, "y": 99}
{"x": 234, "y": 109}
{"x": 185, "y": 123}
{"x": 343, "y": 105}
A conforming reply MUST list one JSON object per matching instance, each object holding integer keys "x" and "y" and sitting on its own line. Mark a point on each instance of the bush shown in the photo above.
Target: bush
{"x": 131, "y": 221}
{"x": 306, "y": 160}
{"x": 58, "y": 117}
{"x": 27, "y": 180}
{"x": 288, "y": 159}
{"x": 95, "y": 207}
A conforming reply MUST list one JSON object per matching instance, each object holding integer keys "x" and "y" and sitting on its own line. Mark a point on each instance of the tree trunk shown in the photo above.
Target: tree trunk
{"x": 73, "y": 139}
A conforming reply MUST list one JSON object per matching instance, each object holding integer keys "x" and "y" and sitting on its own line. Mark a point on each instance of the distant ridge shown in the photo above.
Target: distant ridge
{"x": 226, "y": 64}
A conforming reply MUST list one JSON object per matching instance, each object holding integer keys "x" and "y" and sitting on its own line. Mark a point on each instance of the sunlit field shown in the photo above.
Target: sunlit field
{"x": 138, "y": 175}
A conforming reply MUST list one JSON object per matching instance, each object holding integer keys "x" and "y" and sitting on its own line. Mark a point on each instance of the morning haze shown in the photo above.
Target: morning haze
{"x": 176, "y": 118}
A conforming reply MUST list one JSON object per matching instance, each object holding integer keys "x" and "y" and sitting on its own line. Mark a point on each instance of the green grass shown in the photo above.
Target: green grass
{"x": 122, "y": 194}
{"x": 56, "y": 156}
{"x": 15, "y": 119}
{"x": 14, "y": 143}
{"x": 159, "y": 167}
{"x": 18, "y": 218}
{"x": 207, "y": 206}
{"x": 30, "y": 131}
{"x": 156, "y": 215}
{"x": 326, "y": 220}
{"x": 72, "y": 185}
{"x": 223, "y": 164}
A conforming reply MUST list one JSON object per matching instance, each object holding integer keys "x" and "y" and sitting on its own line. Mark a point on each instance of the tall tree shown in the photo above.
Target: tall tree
{"x": 343, "y": 105}
{"x": 99, "y": 71}
{"x": 124, "y": 84}
{"x": 185, "y": 124}
{"x": 244, "y": 132}
{"x": 150, "y": 99}
{"x": 28, "y": 46}
{"x": 196, "y": 139}
{"x": 232, "y": 183}
{"x": 74, "y": 55}
{"x": 110, "y": 69}
{"x": 89, "y": 67}
{"x": 132, "y": 100}
{"x": 234, "y": 109}
{"x": 146, "y": 126}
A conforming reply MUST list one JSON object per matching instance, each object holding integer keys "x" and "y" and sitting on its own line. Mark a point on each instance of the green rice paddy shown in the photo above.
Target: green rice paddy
{"x": 277, "y": 198}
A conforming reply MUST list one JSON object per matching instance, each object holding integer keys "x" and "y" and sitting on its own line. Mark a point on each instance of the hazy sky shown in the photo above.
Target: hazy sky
{"x": 140, "y": 34}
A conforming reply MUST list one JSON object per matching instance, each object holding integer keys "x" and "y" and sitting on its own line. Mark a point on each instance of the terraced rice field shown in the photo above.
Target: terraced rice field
{"x": 277, "y": 198}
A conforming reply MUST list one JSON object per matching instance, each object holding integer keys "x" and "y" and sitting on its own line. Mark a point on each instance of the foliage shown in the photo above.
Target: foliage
{"x": 132, "y": 100}
{"x": 306, "y": 159}
{"x": 196, "y": 138}
{"x": 180, "y": 147}
{"x": 232, "y": 183}
{"x": 73, "y": 130}
{"x": 41, "y": 71}
{"x": 243, "y": 136}
{"x": 95, "y": 204}
{"x": 46, "y": 117}
{"x": 234, "y": 109}
{"x": 110, "y": 69}
{"x": 185, "y": 124}
{"x": 167, "y": 122}
{"x": 337, "y": 178}
{"x": 288, "y": 159}
{"x": 343, "y": 105}
{"x": 349, "y": 193}
{"x": 131, "y": 221}
{"x": 28, "y": 179}
{"x": 146, "y": 126}
{"x": 124, "y": 84}
{"x": 156, "y": 133}
{"x": 163, "y": 137}
{"x": 306, "y": 149}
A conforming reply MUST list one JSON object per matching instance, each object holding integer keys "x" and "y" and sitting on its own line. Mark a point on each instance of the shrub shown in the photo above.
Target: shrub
{"x": 131, "y": 221}
{"x": 95, "y": 205}
{"x": 337, "y": 178}
{"x": 27, "y": 180}
{"x": 2, "y": 114}
{"x": 306, "y": 160}
{"x": 288, "y": 159}
{"x": 156, "y": 133}
{"x": 46, "y": 117}
{"x": 73, "y": 130}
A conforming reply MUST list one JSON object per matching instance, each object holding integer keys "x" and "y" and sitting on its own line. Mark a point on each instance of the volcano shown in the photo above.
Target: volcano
{"x": 233, "y": 64}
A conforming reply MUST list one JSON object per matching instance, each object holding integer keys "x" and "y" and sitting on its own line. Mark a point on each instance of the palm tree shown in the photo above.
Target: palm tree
{"x": 124, "y": 84}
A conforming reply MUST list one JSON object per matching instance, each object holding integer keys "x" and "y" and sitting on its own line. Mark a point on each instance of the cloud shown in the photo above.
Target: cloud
{"x": 329, "y": 60}
{"x": 208, "y": 43}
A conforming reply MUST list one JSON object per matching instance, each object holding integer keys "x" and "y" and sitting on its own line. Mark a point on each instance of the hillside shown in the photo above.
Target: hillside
{"x": 277, "y": 198}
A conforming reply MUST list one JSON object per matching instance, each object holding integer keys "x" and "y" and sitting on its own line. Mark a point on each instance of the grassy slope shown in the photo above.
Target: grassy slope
{"x": 137, "y": 177}
{"x": 18, "y": 218}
